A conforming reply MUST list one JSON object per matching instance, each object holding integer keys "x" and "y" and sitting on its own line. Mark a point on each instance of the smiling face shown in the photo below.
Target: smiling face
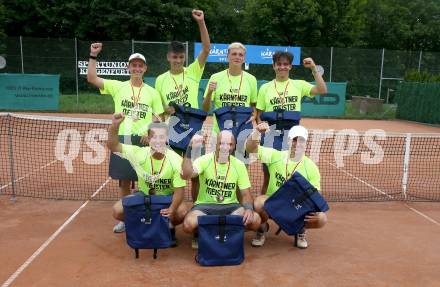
{"x": 176, "y": 60}
{"x": 158, "y": 138}
{"x": 297, "y": 148}
{"x": 282, "y": 68}
{"x": 137, "y": 68}
{"x": 225, "y": 145}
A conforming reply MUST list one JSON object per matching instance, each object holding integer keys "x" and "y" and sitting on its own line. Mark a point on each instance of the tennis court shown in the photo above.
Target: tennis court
{"x": 382, "y": 230}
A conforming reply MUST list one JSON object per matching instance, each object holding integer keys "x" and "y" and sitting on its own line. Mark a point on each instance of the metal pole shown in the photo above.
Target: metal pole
{"x": 331, "y": 63}
{"x": 21, "y": 55}
{"x": 11, "y": 157}
{"x": 132, "y": 46}
{"x": 381, "y": 72}
{"x": 406, "y": 165}
{"x": 76, "y": 71}
{"x": 186, "y": 51}
{"x": 420, "y": 61}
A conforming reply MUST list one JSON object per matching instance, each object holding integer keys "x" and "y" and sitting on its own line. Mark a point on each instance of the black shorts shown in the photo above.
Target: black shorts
{"x": 120, "y": 168}
{"x": 217, "y": 209}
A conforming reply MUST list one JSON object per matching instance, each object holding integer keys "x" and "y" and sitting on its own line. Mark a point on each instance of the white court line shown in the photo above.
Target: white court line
{"x": 422, "y": 215}
{"x": 384, "y": 193}
{"x": 33, "y": 171}
{"x": 51, "y": 238}
{"x": 360, "y": 180}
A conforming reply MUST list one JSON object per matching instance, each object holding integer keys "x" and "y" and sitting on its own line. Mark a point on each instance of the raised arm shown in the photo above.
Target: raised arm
{"x": 113, "y": 143}
{"x": 206, "y": 105}
{"x": 92, "y": 76}
{"x": 253, "y": 140}
{"x": 320, "y": 87}
{"x": 199, "y": 16}
{"x": 188, "y": 170}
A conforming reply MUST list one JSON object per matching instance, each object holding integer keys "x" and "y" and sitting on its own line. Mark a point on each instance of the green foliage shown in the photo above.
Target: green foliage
{"x": 422, "y": 77}
{"x": 389, "y": 113}
{"x": 87, "y": 104}
{"x": 2, "y": 28}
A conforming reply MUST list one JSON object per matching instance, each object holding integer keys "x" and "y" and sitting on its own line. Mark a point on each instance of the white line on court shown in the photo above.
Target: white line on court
{"x": 422, "y": 214}
{"x": 51, "y": 238}
{"x": 360, "y": 180}
{"x": 384, "y": 193}
{"x": 24, "y": 176}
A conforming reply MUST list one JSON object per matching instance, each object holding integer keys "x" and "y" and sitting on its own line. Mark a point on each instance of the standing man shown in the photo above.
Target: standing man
{"x": 281, "y": 165}
{"x": 285, "y": 93}
{"x": 233, "y": 86}
{"x": 157, "y": 167}
{"x": 141, "y": 105}
{"x": 180, "y": 84}
{"x": 221, "y": 176}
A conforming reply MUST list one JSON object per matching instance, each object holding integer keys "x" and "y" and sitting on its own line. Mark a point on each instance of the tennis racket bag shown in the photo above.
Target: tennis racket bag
{"x": 289, "y": 205}
{"x": 233, "y": 118}
{"x": 145, "y": 228}
{"x": 186, "y": 122}
{"x": 283, "y": 121}
{"x": 221, "y": 240}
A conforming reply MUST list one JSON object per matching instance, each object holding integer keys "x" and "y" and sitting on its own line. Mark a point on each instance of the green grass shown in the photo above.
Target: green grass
{"x": 389, "y": 113}
{"x": 91, "y": 103}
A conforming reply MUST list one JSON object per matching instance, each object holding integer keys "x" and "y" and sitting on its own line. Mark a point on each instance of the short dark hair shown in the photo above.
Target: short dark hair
{"x": 158, "y": 125}
{"x": 176, "y": 47}
{"x": 278, "y": 55}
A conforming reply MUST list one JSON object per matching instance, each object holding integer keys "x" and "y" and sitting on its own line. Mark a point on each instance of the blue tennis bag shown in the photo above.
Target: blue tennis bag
{"x": 283, "y": 121}
{"x": 221, "y": 240}
{"x": 145, "y": 227}
{"x": 186, "y": 123}
{"x": 233, "y": 118}
{"x": 289, "y": 205}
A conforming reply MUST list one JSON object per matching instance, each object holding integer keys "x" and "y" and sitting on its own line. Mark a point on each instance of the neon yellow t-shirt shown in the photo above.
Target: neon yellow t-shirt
{"x": 182, "y": 88}
{"x": 271, "y": 95}
{"x": 238, "y": 90}
{"x": 169, "y": 169}
{"x": 136, "y": 119}
{"x": 214, "y": 187}
{"x": 276, "y": 164}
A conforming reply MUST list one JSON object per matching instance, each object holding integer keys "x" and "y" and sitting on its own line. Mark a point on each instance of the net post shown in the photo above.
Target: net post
{"x": 381, "y": 71}
{"x": 11, "y": 158}
{"x": 420, "y": 61}
{"x": 406, "y": 165}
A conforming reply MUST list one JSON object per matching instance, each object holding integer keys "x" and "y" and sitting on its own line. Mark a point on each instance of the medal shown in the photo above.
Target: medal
{"x": 220, "y": 198}
{"x": 231, "y": 89}
{"x": 282, "y": 96}
{"x": 135, "y": 113}
{"x": 178, "y": 87}
{"x": 136, "y": 108}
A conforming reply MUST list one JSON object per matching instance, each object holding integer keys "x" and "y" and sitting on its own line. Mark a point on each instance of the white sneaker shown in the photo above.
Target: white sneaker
{"x": 300, "y": 240}
{"x": 119, "y": 228}
{"x": 260, "y": 235}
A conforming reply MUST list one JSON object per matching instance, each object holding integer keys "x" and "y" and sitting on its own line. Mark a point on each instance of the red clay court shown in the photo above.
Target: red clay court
{"x": 374, "y": 236}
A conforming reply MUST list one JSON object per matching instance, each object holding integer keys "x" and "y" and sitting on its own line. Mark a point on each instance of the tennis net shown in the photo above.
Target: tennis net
{"x": 66, "y": 158}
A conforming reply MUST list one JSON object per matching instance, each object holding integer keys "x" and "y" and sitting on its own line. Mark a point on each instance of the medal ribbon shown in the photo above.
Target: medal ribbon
{"x": 279, "y": 94}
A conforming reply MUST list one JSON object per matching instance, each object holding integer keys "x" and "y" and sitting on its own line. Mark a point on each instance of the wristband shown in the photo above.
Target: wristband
{"x": 93, "y": 57}
{"x": 248, "y": 206}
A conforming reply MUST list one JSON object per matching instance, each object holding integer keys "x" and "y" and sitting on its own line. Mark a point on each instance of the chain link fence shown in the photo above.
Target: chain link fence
{"x": 368, "y": 72}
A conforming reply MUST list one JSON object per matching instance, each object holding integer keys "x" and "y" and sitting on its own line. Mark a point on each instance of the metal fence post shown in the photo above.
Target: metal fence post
{"x": 76, "y": 71}
{"x": 331, "y": 62}
{"x": 406, "y": 165}
{"x": 11, "y": 157}
{"x": 132, "y": 46}
{"x": 381, "y": 71}
{"x": 186, "y": 51}
{"x": 420, "y": 61}
{"x": 21, "y": 55}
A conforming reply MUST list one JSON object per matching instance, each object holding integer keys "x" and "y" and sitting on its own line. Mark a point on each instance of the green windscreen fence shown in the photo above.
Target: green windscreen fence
{"x": 419, "y": 102}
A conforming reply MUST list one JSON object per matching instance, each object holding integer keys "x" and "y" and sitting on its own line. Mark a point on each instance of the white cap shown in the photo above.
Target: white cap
{"x": 298, "y": 131}
{"x": 137, "y": 56}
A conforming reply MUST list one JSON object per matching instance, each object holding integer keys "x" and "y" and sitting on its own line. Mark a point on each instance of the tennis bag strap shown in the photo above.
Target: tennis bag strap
{"x": 283, "y": 121}
{"x": 189, "y": 121}
{"x": 145, "y": 227}
{"x": 289, "y": 205}
{"x": 221, "y": 240}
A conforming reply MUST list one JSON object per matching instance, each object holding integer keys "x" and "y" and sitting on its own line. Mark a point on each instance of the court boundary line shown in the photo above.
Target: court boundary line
{"x": 30, "y": 173}
{"x": 422, "y": 214}
{"x": 52, "y": 237}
